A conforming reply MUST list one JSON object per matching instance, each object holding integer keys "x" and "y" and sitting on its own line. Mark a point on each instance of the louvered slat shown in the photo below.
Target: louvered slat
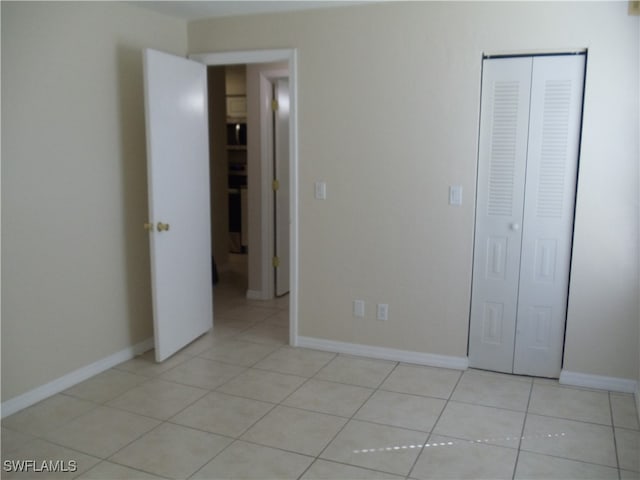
{"x": 555, "y": 130}
{"x": 503, "y": 147}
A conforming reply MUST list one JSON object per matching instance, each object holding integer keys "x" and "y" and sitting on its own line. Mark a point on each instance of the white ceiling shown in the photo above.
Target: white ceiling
{"x": 195, "y": 10}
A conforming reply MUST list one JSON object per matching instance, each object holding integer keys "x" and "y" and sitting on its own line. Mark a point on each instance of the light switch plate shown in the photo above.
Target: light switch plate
{"x": 320, "y": 190}
{"x": 382, "y": 312}
{"x": 455, "y": 195}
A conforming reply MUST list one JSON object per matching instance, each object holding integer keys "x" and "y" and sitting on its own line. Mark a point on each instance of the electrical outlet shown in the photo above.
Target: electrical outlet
{"x": 383, "y": 311}
{"x": 358, "y": 308}
{"x": 455, "y": 195}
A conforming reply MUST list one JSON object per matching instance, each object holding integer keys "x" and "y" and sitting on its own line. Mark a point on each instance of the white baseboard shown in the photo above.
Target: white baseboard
{"x": 613, "y": 384}
{"x": 256, "y": 295}
{"x": 58, "y": 385}
{"x": 406, "y": 356}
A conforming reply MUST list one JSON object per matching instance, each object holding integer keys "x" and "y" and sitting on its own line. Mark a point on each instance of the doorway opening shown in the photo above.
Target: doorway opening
{"x": 263, "y": 225}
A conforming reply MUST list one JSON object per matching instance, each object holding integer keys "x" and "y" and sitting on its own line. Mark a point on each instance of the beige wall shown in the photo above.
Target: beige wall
{"x": 388, "y": 117}
{"x": 75, "y": 259}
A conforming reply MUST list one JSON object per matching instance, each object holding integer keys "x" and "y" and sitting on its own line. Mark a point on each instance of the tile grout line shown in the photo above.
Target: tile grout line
{"x": 467, "y": 402}
{"x": 274, "y": 405}
{"x": 568, "y": 419}
{"x": 613, "y": 431}
{"x": 215, "y": 389}
{"x": 524, "y": 424}
{"x": 126, "y": 466}
{"x": 168, "y": 420}
{"x": 431, "y": 434}
{"x": 349, "y": 419}
{"x": 308, "y": 379}
{"x": 238, "y": 437}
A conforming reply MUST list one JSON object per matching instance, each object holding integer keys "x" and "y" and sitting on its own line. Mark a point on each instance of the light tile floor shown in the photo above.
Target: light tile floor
{"x": 240, "y": 403}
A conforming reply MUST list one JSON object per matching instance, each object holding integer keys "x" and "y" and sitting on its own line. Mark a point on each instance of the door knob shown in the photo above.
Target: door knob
{"x": 514, "y": 226}
{"x": 148, "y": 226}
{"x": 163, "y": 227}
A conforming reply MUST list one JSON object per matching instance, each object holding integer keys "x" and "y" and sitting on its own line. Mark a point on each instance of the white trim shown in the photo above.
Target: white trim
{"x": 535, "y": 52}
{"x": 406, "y": 356}
{"x": 295, "y": 198}
{"x": 266, "y": 177}
{"x": 613, "y": 384}
{"x": 257, "y": 295}
{"x": 638, "y": 399}
{"x": 268, "y": 56}
{"x": 243, "y": 56}
{"x": 58, "y": 385}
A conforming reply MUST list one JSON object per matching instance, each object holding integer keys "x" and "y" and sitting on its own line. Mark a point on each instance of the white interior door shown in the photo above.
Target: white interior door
{"x": 552, "y": 164}
{"x": 282, "y": 198}
{"x": 178, "y": 179}
{"x": 501, "y": 172}
{"x": 528, "y": 154}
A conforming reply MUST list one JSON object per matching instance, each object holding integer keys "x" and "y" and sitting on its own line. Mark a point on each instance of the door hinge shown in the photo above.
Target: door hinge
{"x": 276, "y": 262}
{"x": 274, "y": 105}
{"x": 275, "y": 185}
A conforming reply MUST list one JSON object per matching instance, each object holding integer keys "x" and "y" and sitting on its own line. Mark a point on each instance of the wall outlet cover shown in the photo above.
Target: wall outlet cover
{"x": 455, "y": 195}
{"x": 320, "y": 190}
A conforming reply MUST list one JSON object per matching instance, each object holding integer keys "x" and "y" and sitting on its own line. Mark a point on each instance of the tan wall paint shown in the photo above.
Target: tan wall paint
{"x": 75, "y": 259}
{"x": 388, "y": 117}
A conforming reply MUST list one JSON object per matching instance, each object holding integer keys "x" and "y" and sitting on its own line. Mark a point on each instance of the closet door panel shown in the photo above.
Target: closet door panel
{"x": 501, "y": 176}
{"x": 552, "y": 161}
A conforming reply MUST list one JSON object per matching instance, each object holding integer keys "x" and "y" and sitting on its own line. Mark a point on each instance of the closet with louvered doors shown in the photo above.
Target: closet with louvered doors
{"x": 531, "y": 113}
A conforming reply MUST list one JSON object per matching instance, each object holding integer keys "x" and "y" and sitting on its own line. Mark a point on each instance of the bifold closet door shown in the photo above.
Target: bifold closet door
{"x": 527, "y": 164}
{"x": 504, "y": 119}
{"x": 547, "y": 231}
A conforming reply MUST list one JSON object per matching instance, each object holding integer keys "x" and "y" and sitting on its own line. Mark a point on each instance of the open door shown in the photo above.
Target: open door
{"x": 178, "y": 179}
{"x": 281, "y": 173}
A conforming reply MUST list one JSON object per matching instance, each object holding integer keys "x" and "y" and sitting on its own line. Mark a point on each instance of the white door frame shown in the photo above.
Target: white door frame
{"x": 270, "y": 56}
